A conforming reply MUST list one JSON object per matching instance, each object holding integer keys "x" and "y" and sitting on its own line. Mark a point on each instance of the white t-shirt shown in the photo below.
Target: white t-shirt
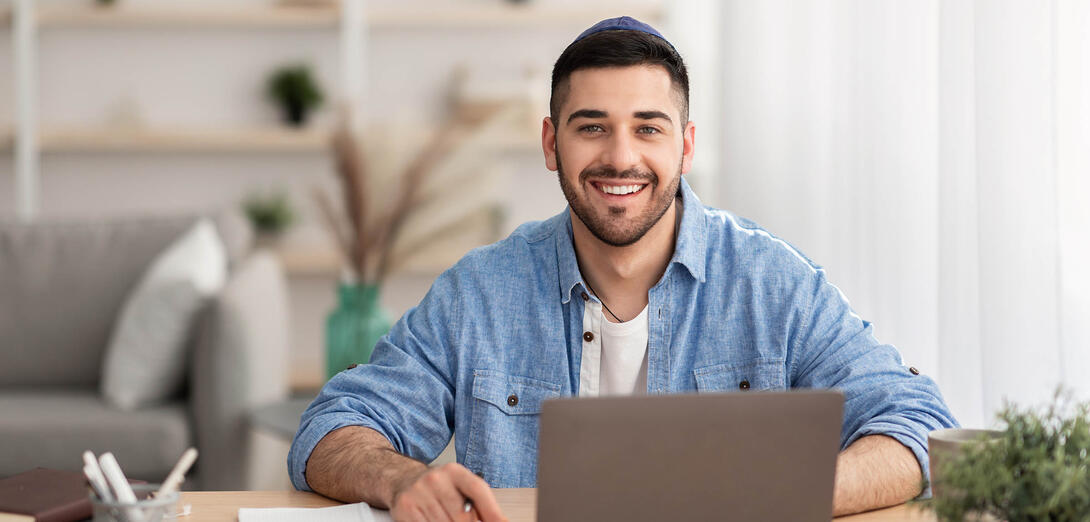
{"x": 614, "y": 361}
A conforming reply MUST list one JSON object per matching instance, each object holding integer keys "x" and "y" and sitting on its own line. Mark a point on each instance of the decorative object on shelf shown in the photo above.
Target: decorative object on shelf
{"x": 354, "y": 327}
{"x": 269, "y": 214}
{"x": 365, "y": 234}
{"x": 1035, "y": 469}
{"x": 295, "y": 91}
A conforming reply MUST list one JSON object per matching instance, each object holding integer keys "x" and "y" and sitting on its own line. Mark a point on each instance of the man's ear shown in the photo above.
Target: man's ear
{"x": 548, "y": 143}
{"x": 688, "y": 147}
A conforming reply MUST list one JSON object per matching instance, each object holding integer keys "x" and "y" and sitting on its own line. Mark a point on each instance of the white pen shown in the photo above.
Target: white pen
{"x": 120, "y": 485}
{"x": 95, "y": 478}
{"x": 174, "y": 479}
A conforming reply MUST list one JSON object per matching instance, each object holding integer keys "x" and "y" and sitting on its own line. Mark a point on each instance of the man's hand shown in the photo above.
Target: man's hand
{"x": 357, "y": 464}
{"x": 439, "y": 494}
{"x": 876, "y": 471}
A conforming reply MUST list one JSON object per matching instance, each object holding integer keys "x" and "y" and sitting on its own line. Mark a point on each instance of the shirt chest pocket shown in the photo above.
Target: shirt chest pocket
{"x": 504, "y": 427}
{"x": 760, "y": 374}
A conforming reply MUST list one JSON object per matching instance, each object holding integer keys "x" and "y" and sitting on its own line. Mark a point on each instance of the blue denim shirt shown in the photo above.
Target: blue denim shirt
{"x": 734, "y": 304}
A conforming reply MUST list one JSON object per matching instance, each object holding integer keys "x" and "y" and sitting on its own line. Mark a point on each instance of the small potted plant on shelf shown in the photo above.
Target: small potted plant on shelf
{"x": 270, "y": 215}
{"x": 293, "y": 88}
{"x": 1037, "y": 469}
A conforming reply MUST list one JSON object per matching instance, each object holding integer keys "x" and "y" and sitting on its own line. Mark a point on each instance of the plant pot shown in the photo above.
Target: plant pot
{"x": 945, "y": 446}
{"x": 353, "y": 328}
{"x": 295, "y": 113}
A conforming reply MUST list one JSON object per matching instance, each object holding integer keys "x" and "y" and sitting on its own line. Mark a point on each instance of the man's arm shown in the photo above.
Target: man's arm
{"x": 875, "y": 472}
{"x": 832, "y": 347}
{"x": 354, "y": 464}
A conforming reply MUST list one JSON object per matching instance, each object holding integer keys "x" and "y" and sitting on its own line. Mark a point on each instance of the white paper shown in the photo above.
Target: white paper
{"x": 347, "y": 513}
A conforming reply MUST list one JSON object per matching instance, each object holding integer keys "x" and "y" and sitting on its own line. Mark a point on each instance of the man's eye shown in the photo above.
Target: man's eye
{"x": 591, "y": 128}
{"x": 648, "y": 130}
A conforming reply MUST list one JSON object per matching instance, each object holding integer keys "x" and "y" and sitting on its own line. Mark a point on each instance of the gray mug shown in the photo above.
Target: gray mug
{"x": 946, "y": 445}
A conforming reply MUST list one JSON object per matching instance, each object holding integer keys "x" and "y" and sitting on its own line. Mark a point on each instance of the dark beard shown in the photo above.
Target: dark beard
{"x": 601, "y": 226}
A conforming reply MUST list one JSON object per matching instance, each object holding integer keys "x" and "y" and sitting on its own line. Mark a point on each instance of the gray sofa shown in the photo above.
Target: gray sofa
{"x": 62, "y": 286}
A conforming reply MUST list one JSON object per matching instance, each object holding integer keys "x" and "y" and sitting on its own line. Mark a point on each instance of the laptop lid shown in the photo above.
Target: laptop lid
{"x": 727, "y": 456}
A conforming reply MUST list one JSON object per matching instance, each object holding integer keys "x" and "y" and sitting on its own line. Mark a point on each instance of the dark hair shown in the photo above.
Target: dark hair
{"x": 618, "y": 48}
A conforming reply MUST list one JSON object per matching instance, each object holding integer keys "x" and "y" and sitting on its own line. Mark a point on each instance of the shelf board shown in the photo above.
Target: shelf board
{"x": 184, "y": 140}
{"x": 313, "y": 261}
{"x": 208, "y": 140}
{"x": 127, "y": 15}
{"x": 327, "y": 16}
{"x": 499, "y": 15}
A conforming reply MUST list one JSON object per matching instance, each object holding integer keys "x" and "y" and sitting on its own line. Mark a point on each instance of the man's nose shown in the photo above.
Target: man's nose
{"x": 621, "y": 152}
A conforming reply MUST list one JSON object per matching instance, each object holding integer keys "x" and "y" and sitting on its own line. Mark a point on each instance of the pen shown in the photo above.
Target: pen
{"x": 100, "y": 488}
{"x": 120, "y": 485}
{"x": 177, "y": 475}
{"x": 469, "y": 502}
{"x": 95, "y": 477}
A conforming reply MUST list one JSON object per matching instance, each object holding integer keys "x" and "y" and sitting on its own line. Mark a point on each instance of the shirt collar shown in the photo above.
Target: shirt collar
{"x": 689, "y": 251}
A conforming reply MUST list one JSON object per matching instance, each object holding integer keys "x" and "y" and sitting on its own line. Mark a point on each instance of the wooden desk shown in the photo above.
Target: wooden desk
{"x": 518, "y": 504}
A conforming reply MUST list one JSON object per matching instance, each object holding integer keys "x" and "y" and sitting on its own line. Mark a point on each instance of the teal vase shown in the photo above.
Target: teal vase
{"x": 353, "y": 328}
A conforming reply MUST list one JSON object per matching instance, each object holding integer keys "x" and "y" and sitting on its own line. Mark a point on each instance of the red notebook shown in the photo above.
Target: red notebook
{"x": 45, "y": 495}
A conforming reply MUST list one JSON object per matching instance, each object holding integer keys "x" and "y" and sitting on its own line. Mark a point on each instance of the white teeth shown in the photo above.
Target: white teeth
{"x": 619, "y": 189}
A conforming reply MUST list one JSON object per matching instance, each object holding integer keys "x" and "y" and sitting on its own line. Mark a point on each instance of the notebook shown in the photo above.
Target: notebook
{"x": 44, "y": 495}
{"x": 360, "y": 512}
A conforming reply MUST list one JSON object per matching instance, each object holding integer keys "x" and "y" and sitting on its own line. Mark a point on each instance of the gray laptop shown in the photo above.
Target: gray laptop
{"x": 732, "y": 456}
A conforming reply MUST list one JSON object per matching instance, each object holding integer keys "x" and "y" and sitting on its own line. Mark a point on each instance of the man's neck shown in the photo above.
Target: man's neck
{"x": 622, "y": 276}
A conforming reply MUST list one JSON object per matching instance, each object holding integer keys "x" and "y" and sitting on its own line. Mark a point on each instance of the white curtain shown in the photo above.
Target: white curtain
{"x": 934, "y": 156}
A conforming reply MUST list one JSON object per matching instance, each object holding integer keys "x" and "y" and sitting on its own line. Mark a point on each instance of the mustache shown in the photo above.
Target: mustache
{"x": 609, "y": 172}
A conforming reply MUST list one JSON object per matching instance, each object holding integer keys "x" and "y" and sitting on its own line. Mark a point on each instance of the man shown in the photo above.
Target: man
{"x": 635, "y": 288}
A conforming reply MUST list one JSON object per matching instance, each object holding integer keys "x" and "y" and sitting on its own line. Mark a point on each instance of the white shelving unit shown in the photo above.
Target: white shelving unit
{"x": 184, "y": 140}
{"x": 353, "y": 19}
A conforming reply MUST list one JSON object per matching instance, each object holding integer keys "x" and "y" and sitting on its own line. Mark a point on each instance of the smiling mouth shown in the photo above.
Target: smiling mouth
{"x": 619, "y": 190}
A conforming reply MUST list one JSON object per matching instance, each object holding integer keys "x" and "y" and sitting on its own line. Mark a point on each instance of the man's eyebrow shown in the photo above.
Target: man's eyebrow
{"x": 587, "y": 113}
{"x": 650, "y": 115}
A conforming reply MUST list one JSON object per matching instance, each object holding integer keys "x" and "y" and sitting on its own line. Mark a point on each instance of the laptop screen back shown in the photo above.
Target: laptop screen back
{"x": 730, "y": 456}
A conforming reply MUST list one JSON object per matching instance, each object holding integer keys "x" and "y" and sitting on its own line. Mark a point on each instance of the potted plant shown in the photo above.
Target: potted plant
{"x": 1038, "y": 469}
{"x": 270, "y": 215}
{"x": 295, "y": 91}
{"x": 366, "y": 226}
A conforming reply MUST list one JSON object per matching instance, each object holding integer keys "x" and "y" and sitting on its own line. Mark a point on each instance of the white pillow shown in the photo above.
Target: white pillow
{"x": 145, "y": 362}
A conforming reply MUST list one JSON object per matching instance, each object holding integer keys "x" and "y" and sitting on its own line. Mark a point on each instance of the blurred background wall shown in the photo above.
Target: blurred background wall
{"x": 931, "y": 155}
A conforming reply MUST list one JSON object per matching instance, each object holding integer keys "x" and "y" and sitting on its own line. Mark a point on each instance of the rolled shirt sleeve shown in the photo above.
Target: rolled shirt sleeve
{"x": 405, "y": 392}
{"x": 834, "y": 348}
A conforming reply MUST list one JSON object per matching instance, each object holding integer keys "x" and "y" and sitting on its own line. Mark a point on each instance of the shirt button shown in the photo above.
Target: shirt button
{"x": 585, "y": 296}
{"x": 744, "y": 385}
{"x": 512, "y": 400}
{"x": 913, "y": 370}
{"x": 588, "y": 337}
{"x": 350, "y": 366}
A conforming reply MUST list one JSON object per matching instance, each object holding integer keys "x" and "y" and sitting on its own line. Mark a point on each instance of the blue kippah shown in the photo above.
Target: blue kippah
{"x": 623, "y": 23}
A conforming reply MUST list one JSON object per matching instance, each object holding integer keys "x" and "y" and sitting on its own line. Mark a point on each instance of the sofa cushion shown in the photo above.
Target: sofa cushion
{"x": 61, "y": 287}
{"x": 53, "y": 429}
{"x": 146, "y": 361}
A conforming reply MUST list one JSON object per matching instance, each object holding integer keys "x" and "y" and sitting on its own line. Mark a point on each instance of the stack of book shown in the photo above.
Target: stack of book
{"x": 44, "y": 495}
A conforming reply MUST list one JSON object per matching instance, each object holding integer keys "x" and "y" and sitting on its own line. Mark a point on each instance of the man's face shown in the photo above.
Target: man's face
{"x": 619, "y": 147}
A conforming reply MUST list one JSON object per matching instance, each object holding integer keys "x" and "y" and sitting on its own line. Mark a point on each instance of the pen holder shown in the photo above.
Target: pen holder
{"x": 146, "y": 508}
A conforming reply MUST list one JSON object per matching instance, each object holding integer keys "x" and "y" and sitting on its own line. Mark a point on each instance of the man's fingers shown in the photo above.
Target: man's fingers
{"x": 420, "y": 502}
{"x": 449, "y": 497}
{"x": 484, "y": 502}
{"x": 474, "y": 516}
{"x": 439, "y": 490}
{"x": 440, "y": 494}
